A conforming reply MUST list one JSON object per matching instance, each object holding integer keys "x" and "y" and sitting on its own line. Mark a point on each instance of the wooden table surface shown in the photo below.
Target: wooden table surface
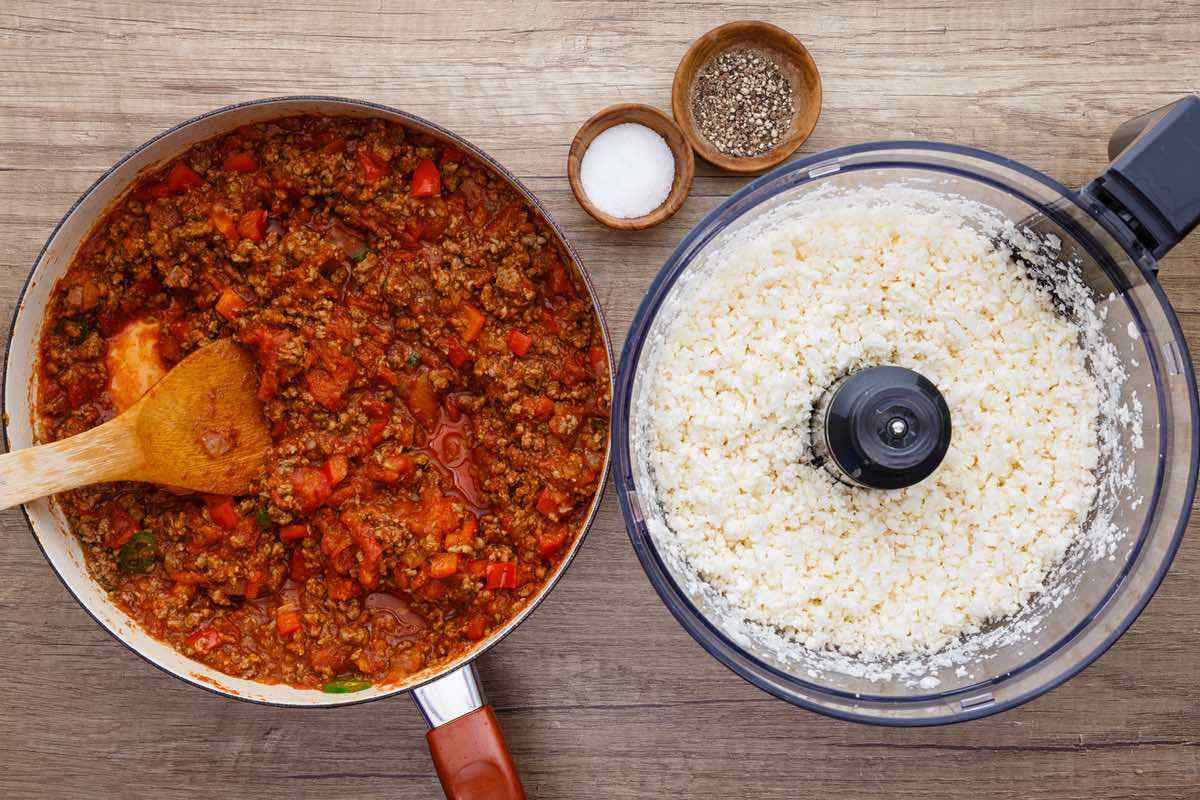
{"x": 601, "y": 693}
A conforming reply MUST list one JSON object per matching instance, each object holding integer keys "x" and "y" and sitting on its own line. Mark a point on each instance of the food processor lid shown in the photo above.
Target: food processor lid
{"x": 1107, "y": 225}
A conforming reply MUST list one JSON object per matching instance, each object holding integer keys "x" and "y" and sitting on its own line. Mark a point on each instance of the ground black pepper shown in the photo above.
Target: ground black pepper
{"x": 742, "y": 102}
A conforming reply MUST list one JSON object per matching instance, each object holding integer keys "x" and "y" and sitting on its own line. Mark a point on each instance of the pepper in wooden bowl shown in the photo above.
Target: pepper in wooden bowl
{"x": 746, "y": 95}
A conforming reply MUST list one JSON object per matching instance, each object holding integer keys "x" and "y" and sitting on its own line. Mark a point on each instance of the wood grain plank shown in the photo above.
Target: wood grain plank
{"x": 601, "y": 693}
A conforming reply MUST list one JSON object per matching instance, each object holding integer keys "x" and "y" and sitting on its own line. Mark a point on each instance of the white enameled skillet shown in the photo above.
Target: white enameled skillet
{"x": 467, "y": 747}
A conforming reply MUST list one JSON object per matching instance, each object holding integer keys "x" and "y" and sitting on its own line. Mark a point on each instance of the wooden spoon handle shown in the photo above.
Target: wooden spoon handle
{"x": 105, "y": 453}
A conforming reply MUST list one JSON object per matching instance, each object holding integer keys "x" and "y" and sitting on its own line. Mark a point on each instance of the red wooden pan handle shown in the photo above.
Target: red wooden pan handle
{"x": 472, "y": 759}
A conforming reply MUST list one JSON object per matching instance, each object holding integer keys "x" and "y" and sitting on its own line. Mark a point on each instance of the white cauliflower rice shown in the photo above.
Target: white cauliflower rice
{"x": 874, "y": 574}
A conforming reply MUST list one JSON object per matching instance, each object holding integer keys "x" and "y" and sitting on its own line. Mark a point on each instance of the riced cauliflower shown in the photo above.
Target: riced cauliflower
{"x": 879, "y": 574}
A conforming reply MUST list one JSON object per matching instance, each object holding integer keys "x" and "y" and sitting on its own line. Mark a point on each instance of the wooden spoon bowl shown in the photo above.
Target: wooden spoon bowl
{"x": 201, "y": 428}
{"x": 664, "y": 126}
{"x": 789, "y": 55}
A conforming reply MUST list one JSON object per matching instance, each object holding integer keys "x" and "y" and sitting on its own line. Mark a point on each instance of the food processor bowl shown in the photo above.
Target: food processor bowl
{"x": 1113, "y": 230}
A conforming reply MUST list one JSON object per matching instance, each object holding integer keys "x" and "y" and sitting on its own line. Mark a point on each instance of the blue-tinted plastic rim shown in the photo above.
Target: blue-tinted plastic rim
{"x": 715, "y": 642}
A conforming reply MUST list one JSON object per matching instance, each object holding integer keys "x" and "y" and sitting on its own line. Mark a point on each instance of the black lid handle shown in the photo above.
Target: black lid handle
{"x": 1153, "y": 182}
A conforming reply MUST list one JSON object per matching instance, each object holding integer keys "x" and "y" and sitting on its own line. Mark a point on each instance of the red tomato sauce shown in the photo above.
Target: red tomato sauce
{"x": 427, "y": 360}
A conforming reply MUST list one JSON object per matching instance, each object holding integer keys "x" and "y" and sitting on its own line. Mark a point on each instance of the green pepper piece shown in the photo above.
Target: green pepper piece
{"x": 139, "y": 553}
{"x": 359, "y": 254}
{"x": 262, "y": 518}
{"x": 346, "y": 684}
{"x": 413, "y": 359}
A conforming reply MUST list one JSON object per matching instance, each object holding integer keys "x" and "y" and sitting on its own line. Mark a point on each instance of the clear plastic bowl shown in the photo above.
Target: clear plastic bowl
{"x": 1106, "y": 595}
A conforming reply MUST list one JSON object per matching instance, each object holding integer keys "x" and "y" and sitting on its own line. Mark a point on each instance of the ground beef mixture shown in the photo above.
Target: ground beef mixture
{"x": 432, "y": 369}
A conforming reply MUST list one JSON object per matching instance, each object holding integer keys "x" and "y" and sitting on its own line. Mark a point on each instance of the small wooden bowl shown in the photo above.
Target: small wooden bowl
{"x": 793, "y": 60}
{"x": 685, "y": 162}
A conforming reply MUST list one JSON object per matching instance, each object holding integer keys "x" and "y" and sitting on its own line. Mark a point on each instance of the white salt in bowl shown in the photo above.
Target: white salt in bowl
{"x": 660, "y": 123}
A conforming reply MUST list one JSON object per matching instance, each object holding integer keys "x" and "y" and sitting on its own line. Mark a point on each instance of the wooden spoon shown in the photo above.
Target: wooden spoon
{"x": 200, "y": 427}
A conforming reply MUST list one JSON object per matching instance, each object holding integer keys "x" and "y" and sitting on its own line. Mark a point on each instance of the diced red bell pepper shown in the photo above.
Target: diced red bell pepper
{"x": 388, "y": 376}
{"x": 464, "y": 535}
{"x": 474, "y": 322}
{"x": 553, "y": 503}
{"x": 151, "y": 191}
{"x": 290, "y": 533}
{"x": 120, "y": 529}
{"x": 543, "y": 408}
{"x": 560, "y": 282}
{"x": 443, "y": 565}
{"x": 368, "y": 571}
{"x": 336, "y": 469}
{"x": 287, "y": 621}
{"x": 222, "y": 220}
{"x": 551, "y": 541}
{"x": 422, "y": 401}
{"x": 404, "y": 464}
{"x": 223, "y": 513}
{"x": 253, "y": 585}
{"x": 426, "y": 180}
{"x": 597, "y": 358}
{"x": 475, "y": 628}
{"x": 413, "y": 228}
{"x": 549, "y": 317}
{"x": 506, "y": 220}
{"x": 518, "y": 342}
{"x": 253, "y": 225}
{"x": 452, "y": 409}
{"x": 298, "y": 567}
{"x": 311, "y": 488}
{"x": 373, "y": 169}
{"x": 230, "y": 303}
{"x": 375, "y": 431}
{"x": 456, "y": 354}
{"x": 407, "y": 242}
{"x": 186, "y": 577}
{"x": 501, "y": 575}
{"x": 182, "y": 177}
{"x": 391, "y": 468}
{"x": 205, "y": 640}
{"x": 571, "y": 370}
{"x": 240, "y": 162}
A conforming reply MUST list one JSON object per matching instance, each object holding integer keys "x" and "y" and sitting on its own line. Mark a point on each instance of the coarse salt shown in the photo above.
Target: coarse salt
{"x": 627, "y": 171}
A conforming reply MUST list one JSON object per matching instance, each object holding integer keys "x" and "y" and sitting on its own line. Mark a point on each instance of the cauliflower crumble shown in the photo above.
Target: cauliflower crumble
{"x": 876, "y": 574}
